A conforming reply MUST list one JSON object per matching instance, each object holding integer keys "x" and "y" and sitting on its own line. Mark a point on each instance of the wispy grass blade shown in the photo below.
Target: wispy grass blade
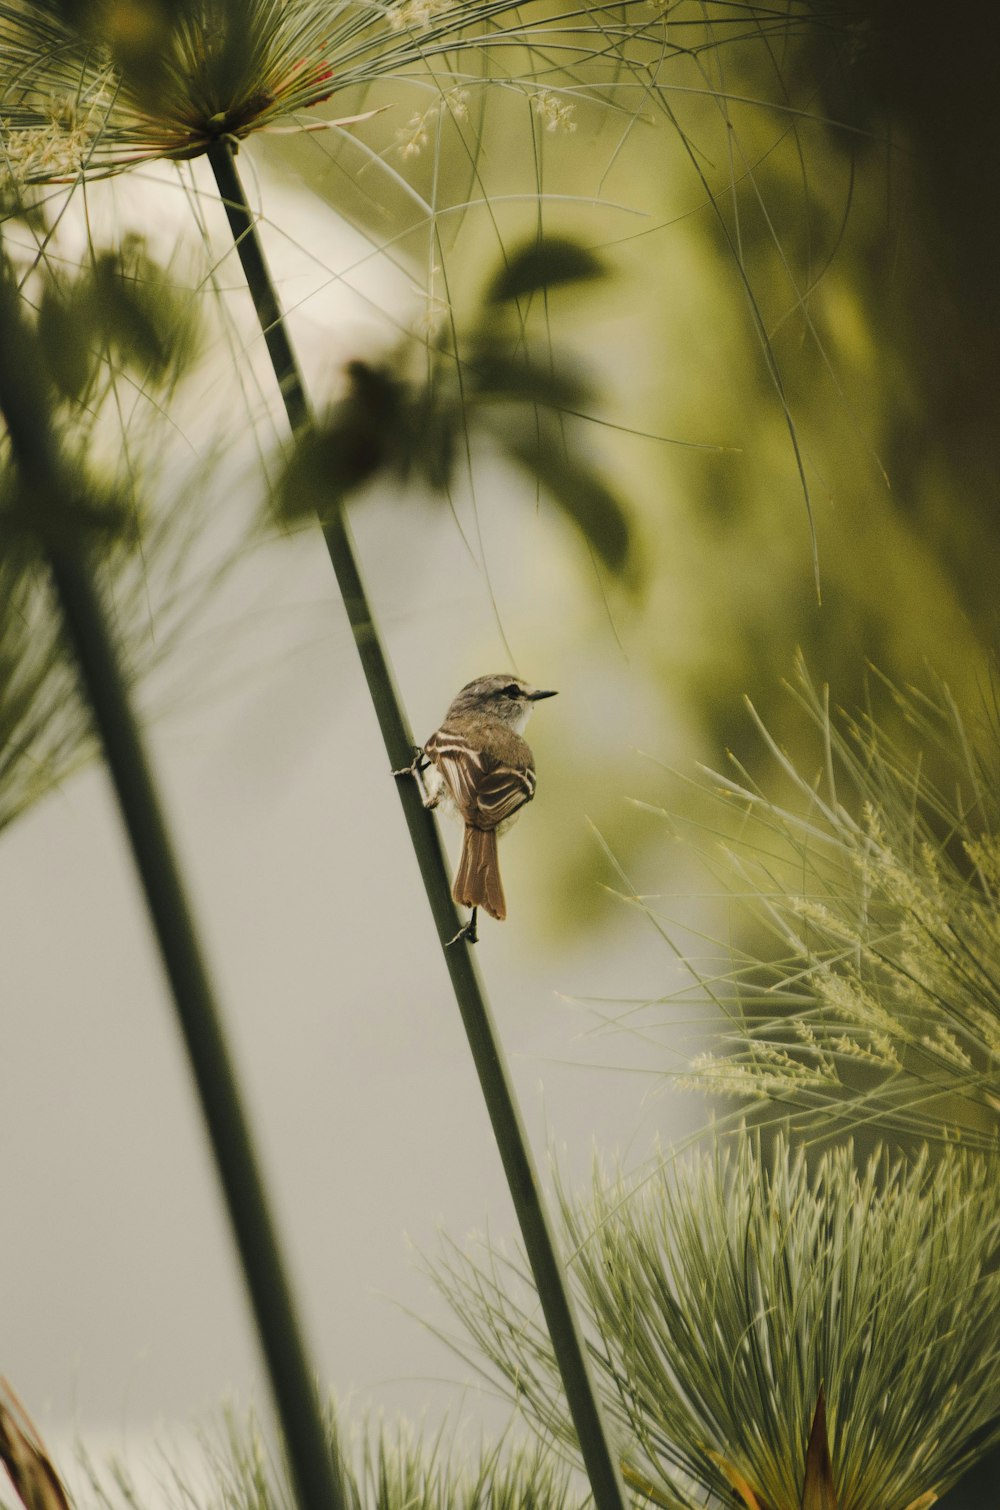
{"x": 728, "y": 1293}
{"x": 387, "y": 1466}
{"x": 878, "y": 888}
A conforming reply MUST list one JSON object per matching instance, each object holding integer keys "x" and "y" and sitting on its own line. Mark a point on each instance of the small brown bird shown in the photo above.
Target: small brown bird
{"x": 483, "y": 770}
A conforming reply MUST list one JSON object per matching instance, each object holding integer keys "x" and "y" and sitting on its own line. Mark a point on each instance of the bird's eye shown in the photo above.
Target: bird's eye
{"x": 511, "y": 690}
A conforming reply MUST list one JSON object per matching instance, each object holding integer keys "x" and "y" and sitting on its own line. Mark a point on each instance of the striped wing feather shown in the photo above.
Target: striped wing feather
{"x": 486, "y": 790}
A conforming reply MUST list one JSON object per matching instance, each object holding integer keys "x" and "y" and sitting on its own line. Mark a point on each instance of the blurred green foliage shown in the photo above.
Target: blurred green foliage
{"x": 864, "y": 278}
{"x": 819, "y": 216}
{"x": 108, "y": 339}
{"x": 490, "y": 382}
{"x": 801, "y": 309}
{"x": 119, "y": 311}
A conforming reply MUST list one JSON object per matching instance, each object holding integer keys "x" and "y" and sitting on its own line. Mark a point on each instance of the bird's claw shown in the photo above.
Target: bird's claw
{"x": 470, "y": 932}
{"x": 417, "y": 765}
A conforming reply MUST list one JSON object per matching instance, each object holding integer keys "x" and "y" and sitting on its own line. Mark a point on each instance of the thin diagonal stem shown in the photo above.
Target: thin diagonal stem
{"x": 24, "y": 405}
{"x": 487, "y": 1053}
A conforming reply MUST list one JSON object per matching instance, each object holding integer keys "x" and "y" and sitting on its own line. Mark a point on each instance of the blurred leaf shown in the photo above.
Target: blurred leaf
{"x": 578, "y": 490}
{"x": 384, "y": 424}
{"x": 547, "y": 263}
{"x": 138, "y": 311}
{"x": 499, "y": 374}
{"x": 380, "y": 425}
{"x": 100, "y": 512}
{"x": 818, "y": 1492}
{"x": 66, "y": 344}
{"x": 325, "y": 466}
{"x": 363, "y": 435}
{"x": 135, "y": 313}
{"x": 121, "y": 307}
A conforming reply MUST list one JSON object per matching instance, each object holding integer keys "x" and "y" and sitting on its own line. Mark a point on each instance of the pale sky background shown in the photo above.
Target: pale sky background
{"x": 124, "y": 1311}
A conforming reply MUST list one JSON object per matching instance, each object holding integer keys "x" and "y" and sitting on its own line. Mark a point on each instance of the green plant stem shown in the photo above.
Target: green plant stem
{"x": 24, "y": 404}
{"x": 484, "y": 1041}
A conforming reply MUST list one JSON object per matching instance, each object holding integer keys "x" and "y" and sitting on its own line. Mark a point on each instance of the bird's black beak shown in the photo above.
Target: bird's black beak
{"x": 536, "y": 697}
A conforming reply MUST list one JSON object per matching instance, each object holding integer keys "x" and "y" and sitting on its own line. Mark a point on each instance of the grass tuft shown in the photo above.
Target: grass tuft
{"x": 875, "y": 996}
{"x": 730, "y": 1297}
{"x": 383, "y": 1467}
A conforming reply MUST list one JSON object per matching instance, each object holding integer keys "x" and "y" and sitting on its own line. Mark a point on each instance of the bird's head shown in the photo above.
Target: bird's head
{"x": 502, "y": 696}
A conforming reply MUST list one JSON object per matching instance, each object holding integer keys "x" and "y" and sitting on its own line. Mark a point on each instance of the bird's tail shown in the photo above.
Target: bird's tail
{"x": 477, "y": 882}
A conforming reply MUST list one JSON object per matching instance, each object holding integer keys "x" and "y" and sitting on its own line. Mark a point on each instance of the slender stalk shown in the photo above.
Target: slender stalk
{"x": 24, "y": 404}
{"x": 487, "y": 1053}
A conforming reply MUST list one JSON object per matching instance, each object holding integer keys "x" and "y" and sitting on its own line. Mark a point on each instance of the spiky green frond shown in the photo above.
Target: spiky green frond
{"x": 878, "y": 882}
{"x": 114, "y": 339}
{"x": 45, "y": 730}
{"x": 396, "y": 1470}
{"x": 384, "y": 1467}
{"x": 725, "y": 1293}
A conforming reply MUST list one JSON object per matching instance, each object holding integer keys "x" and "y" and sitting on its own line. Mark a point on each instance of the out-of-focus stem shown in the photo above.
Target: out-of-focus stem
{"x": 484, "y": 1041}
{"x": 35, "y": 450}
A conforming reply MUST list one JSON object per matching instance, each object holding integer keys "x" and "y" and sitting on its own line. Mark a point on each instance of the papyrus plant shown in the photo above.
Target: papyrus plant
{"x": 205, "y": 75}
{"x": 114, "y": 342}
{"x": 386, "y": 1466}
{"x": 870, "y": 990}
{"x": 91, "y": 87}
{"x": 55, "y": 515}
{"x": 775, "y": 1336}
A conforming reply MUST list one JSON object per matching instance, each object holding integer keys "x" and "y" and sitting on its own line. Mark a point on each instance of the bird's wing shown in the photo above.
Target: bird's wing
{"x": 460, "y": 764}
{"x": 501, "y": 792}
{"x": 485, "y": 790}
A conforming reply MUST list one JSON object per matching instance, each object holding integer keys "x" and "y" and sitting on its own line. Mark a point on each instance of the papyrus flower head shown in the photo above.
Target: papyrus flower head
{"x": 91, "y": 87}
